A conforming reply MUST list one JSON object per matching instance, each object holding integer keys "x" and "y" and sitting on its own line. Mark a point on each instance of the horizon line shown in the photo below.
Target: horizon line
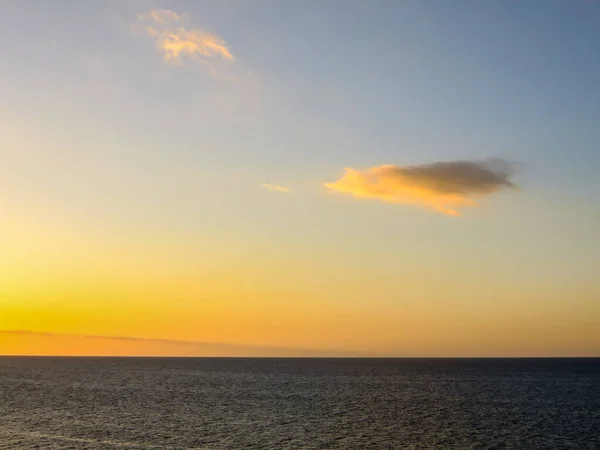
{"x": 286, "y": 357}
{"x": 317, "y": 353}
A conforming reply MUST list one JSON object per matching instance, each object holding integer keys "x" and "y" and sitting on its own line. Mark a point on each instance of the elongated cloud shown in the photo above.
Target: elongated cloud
{"x": 275, "y": 187}
{"x": 25, "y": 342}
{"x": 175, "y": 40}
{"x": 441, "y": 186}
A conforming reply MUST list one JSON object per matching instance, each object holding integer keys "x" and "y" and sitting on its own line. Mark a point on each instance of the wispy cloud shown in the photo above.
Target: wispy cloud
{"x": 441, "y": 186}
{"x": 162, "y": 16}
{"x": 274, "y": 187}
{"x": 177, "y": 39}
{"x": 49, "y": 343}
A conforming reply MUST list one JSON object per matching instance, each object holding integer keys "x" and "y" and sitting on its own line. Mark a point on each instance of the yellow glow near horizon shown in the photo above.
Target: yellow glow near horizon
{"x": 70, "y": 287}
{"x": 301, "y": 323}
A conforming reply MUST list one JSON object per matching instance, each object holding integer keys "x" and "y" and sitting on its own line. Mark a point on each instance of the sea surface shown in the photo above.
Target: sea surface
{"x": 213, "y": 403}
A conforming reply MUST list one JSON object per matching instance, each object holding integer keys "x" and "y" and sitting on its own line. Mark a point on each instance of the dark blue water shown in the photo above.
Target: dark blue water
{"x": 88, "y": 403}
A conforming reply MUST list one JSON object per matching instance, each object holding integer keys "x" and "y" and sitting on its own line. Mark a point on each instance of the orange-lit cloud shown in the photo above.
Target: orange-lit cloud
{"x": 441, "y": 186}
{"x": 274, "y": 187}
{"x": 175, "y": 41}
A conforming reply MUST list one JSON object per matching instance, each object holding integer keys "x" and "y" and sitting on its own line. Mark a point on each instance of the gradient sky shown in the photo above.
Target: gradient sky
{"x": 163, "y": 169}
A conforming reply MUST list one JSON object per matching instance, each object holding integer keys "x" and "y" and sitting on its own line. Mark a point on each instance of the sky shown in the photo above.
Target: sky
{"x": 255, "y": 178}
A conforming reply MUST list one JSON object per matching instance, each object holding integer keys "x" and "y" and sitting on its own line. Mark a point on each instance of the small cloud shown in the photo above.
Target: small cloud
{"x": 175, "y": 41}
{"x": 275, "y": 188}
{"x": 442, "y": 186}
{"x": 161, "y": 15}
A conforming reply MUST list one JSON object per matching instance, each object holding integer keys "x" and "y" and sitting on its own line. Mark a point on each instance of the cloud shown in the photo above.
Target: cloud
{"x": 161, "y": 15}
{"x": 176, "y": 41}
{"x": 275, "y": 187}
{"x": 92, "y": 336}
{"x": 442, "y": 186}
{"x": 26, "y": 342}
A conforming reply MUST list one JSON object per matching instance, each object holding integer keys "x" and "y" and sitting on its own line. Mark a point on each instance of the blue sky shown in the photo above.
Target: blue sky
{"x": 404, "y": 80}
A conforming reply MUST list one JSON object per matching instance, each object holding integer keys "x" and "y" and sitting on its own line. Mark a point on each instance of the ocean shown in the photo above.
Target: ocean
{"x": 258, "y": 403}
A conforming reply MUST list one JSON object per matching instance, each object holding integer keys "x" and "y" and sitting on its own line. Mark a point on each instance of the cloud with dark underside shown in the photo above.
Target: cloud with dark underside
{"x": 441, "y": 186}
